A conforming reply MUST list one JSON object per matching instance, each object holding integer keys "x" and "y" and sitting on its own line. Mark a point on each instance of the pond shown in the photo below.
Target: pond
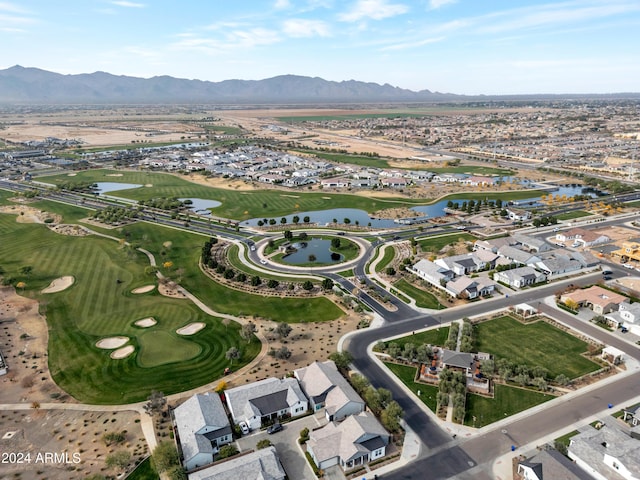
{"x": 318, "y": 247}
{"x": 107, "y": 187}
{"x": 201, "y": 205}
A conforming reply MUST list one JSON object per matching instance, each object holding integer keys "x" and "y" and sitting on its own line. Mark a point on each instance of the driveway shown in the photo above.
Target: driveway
{"x": 286, "y": 443}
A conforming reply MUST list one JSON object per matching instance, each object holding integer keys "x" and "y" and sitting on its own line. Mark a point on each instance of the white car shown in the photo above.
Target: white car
{"x": 245, "y": 429}
{"x": 263, "y": 261}
{"x": 627, "y": 265}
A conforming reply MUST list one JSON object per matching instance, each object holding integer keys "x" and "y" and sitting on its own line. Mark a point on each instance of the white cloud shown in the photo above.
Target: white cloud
{"x": 233, "y": 40}
{"x": 282, "y": 4}
{"x": 125, "y": 3}
{"x": 408, "y": 45}
{"x": 373, "y": 9}
{"x": 298, "y": 28}
{"x": 12, "y": 8}
{"x": 435, "y": 4}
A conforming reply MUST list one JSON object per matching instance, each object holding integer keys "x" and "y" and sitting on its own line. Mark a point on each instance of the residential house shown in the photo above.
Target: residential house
{"x": 470, "y": 288}
{"x": 357, "y": 440}
{"x": 532, "y": 244}
{"x": 202, "y": 427}
{"x": 461, "y": 361}
{"x": 335, "y": 182}
{"x": 518, "y": 256}
{"x": 550, "y": 464}
{"x": 463, "y": 264}
{"x": 326, "y": 388}
{"x": 494, "y": 244}
{"x": 394, "y": 182}
{"x": 629, "y": 251}
{"x": 599, "y": 299}
{"x": 262, "y": 464}
{"x": 628, "y": 315}
{"x": 631, "y": 415}
{"x": 520, "y": 277}
{"x": 606, "y": 453}
{"x": 433, "y": 273}
{"x": 558, "y": 262}
{"x": 518, "y": 214}
{"x": 266, "y": 400}
{"x": 586, "y": 238}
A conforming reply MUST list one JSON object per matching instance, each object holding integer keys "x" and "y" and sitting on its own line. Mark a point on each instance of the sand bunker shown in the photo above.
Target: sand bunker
{"x": 59, "y": 284}
{"x": 122, "y": 352}
{"x": 191, "y": 328}
{"x": 114, "y": 174}
{"x": 112, "y": 342}
{"x": 71, "y": 174}
{"x": 145, "y": 289}
{"x": 149, "y": 185}
{"x": 146, "y": 322}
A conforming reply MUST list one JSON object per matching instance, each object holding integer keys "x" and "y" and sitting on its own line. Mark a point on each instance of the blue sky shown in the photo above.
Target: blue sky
{"x": 457, "y": 46}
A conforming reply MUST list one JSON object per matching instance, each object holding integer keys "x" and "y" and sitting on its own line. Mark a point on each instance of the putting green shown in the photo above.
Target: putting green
{"x": 160, "y": 348}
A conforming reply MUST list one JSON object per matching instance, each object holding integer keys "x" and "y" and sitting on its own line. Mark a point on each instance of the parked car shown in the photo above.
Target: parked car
{"x": 624, "y": 329}
{"x": 263, "y": 261}
{"x": 627, "y": 265}
{"x": 276, "y": 427}
{"x": 244, "y": 428}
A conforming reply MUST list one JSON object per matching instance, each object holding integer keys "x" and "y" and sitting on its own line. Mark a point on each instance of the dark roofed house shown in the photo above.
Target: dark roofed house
{"x": 550, "y": 465}
{"x": 457, "y": 360}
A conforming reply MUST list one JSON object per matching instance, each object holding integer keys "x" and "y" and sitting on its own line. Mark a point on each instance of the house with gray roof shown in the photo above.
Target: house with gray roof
{"x": 262, "y": 464}
{"x": 493, "y": 244}
{"x": 470, "y": 288}
{"x": 202, "y": 427}
{"x": 458, "y": 360}
{"x": 519, "y": 277}
{"x": 357, "y": 440}
{"x": 435, "y": 274}
{"x": 518, "y": 256}
{"x": 264, "y": 401}
{"x": 550, "y": 465}
{"x": 606, "y": 453}
{"x": 462, "y": 264}
{"x": 532, "y": 244}
{"x": 558, "y": 262}
{"x": 326, "y": 388}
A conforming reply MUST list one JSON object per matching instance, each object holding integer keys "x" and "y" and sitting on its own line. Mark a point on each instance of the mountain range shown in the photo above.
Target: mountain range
{"x": 20, "y": 85}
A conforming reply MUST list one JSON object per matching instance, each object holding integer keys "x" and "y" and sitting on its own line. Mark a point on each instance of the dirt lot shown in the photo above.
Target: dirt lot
{"x": 76, "y": 438}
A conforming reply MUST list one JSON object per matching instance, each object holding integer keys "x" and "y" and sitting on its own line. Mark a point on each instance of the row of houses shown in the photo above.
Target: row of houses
{"x": 533, "y": 261}
{"x": 203, "y": 425}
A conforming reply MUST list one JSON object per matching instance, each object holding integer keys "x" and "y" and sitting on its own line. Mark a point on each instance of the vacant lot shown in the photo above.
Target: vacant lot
{"x": 535, "y": 344}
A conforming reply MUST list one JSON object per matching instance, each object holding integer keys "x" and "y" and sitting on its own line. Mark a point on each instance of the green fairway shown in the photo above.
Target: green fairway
{"x": 238, "y": 205}
{"x": 387, "y": 258}
{"x": 406, "y": 373}
{"x": 473, "y": 170}
{"x": 435, "y": 244}
{"x": 184, "y": 252}
{"x": 423, "y": 298}
{"x": 535, "y": 344}
{"x": 100, "y": 305}
{"x": 506, "y": 402}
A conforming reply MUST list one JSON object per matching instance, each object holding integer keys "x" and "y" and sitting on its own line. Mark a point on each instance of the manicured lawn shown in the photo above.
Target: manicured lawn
{"x": 239, "y": 205}
{"x": 572, "y": 215}
{"x": 434, "y": 336}
{"x": 406, "y": 374}
{"x": 535, "y": 344}
{"x": 507, "y": 401}
{"x": 144, "y": 472}
{"x": 565, "y": 439}
{"x": 423, "y": 298}
{"x": 4, "y": 195}
{"x": 389, "y": 254}
{"x": 100, "y": 305}
{"x": 435, "y": 244}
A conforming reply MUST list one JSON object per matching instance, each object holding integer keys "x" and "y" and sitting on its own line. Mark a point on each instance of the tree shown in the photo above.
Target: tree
{"x": 391, "y": 416}
{"x": 394, "y": 350}
{"x": 232, "y": 354}
{"x": 347, "y": 221}
{"x": 283, "y": 353}
{"x": 372, "y": 398}
{"x": 165, "y": 456}
{"x": 241, "y": 277}
{"x": 307, "y": 285}
{"x": 562, "y": 379}
{"x": 227, "y": 451}
{"x": 390, "y": 271}
{"x": 177, "y": 473}
{"x": 335, "y": 243}
{"x": 359, "y": 383}
{"x": 288, "y": 235}
{"x": 312, "y": 258}
{"x": 296, "y": 219}
{"x": 155, "y": 402}
{"x": 272, "y": 283}
{"x": 118, "y": 460}
{"x": 303, "y": 236}
{"x": 423, "y": 353}
{"x": 283, "y": 220}
{"x": 327, "y": 284}
{"x": 283, "y": 330}
{"x": 341, "y": 359}
{"x": 306, "y": 219}
{"x": 248, "y": 331}
{"x": 264, "y": 443}
{"x": 255, "y": 281}
{"x": 409, "y": 351}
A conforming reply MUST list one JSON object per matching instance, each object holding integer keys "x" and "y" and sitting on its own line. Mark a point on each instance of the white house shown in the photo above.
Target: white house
{"x": 607, "y": 453}
{"x": 519, "y": 277}
{"x": 265, "y": 401}
{"x": 202, "y": 426}
{"x": 518, "y": 214}
{"x": 550, "y": 465}
{"x": 470, "y": 288}
{"x": 327, "y": 388}
{"x": 358, "y": 440}
{"x": 433, "y": 273}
